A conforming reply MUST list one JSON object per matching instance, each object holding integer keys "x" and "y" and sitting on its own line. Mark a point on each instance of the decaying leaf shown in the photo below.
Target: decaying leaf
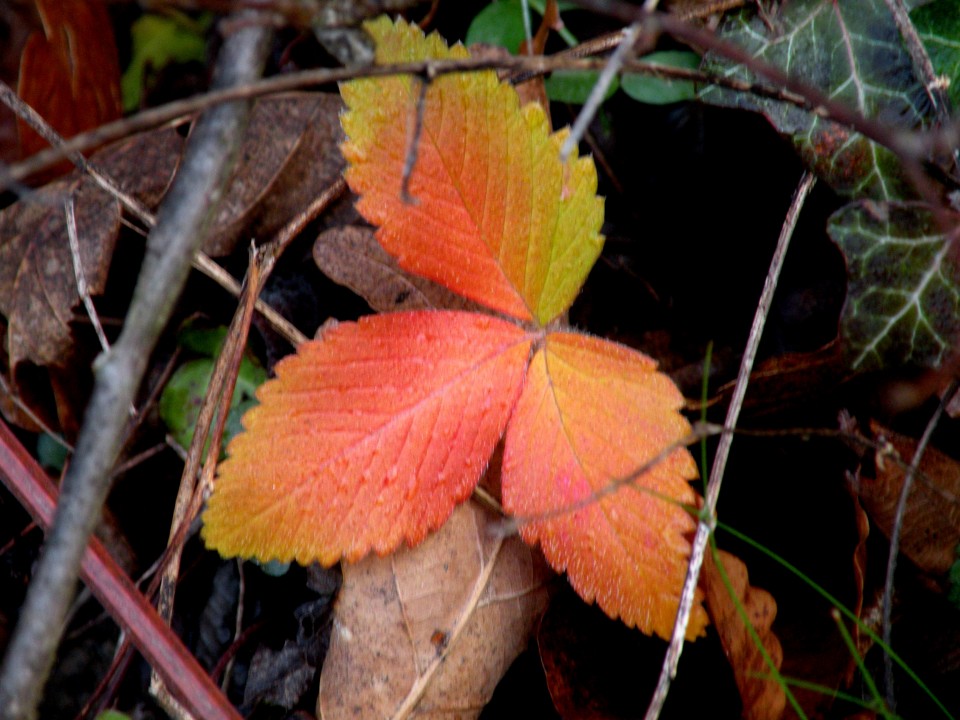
{"x": 430, "y": 630}
{"x": 38, "y": 288}
{"x": 289, "y": 156}
{"x": 351, "y": 256}
{"x": 763, "y": 698}
{"x": 931, "y": 524}
{"x": 69, "y": 71}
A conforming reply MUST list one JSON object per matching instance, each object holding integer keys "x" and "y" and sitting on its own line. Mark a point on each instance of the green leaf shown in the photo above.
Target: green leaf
{"x": 574, "y": 86}
{"x": 501, "y": 23}
{"x": 939, "y": 27}
{"x": 182, "y": 398}
{"x": 903, "y": 287}
{"x": 849, "y": 50}
{"x": 660, "y": 91}
{"x": 158, "y": 41}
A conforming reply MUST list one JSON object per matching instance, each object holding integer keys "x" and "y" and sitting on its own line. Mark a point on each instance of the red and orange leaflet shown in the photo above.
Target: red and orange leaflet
{"x": 371, "y": 435}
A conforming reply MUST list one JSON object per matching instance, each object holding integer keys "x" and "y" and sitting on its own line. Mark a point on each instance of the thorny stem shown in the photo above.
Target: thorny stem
{"x": 707, "y": 516}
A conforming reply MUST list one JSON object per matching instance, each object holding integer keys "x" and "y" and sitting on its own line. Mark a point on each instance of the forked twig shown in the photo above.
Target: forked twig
{"x": 707, "y": 517}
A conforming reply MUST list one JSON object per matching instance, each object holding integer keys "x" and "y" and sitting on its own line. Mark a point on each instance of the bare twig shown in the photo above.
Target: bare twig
{"x": 410, "y": 160}
{"x": 922, "y": 66}
{"x": 158, "y": 644}
{"x": 80, "y": 275}
{"x": 707, "y": 516}
{"x": 599, "y": 89}
{"x": 184, "y": 216}
{"x": 216, "y": 406}
{"x": 200, "y": 261}
{"x": 908, "y": 479}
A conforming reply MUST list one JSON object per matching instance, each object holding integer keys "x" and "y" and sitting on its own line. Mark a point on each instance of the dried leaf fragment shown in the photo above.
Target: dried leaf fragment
{"x": 763, "y": 698}
{"x": 432, "y": 628}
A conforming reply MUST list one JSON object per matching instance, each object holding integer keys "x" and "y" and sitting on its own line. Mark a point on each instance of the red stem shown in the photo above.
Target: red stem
{"x": 182, "y": 674}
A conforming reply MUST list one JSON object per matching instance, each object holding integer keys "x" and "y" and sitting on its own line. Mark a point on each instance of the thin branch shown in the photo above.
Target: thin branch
{"x": 908, "y": 479}
{"x": 599, "y": 89}
{"x": 922, "y": 66}
{"x": 184, "y": 217}
{"x": 410, "y": 160}
{"x": 707, "y": 517}
{"x": 131, "y": 610}
{"x": 200, "y": 261}
{"x": 79, "y": 273}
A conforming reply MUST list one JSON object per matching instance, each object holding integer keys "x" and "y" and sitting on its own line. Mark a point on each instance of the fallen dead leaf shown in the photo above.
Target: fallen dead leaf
{"x": 351, "y": 256}
{"x": 763, "y": 698}
{"x": 429, "y": 631}
{"x": 38, "y": 287}
{"x": 289, "y": 156}
{"x": 931, "y": 523}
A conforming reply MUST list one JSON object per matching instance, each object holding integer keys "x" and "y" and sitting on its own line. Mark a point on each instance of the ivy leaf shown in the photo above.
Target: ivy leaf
{"x": 903, "y": 288}
{"x": 520, "y": 228}
{"x": 382, "y": 427}
{"x": 578, "y": 426}
{"x": 938, "y": 25}
{"x": 852, "y": 52}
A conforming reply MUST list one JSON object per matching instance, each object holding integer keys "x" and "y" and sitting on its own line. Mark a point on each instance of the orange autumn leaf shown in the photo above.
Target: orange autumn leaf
{"x": 69, "y": 71}
{"x": 591, "y": 412}
{"x": 497, "y": 217}
{"x": 368, "y": 437}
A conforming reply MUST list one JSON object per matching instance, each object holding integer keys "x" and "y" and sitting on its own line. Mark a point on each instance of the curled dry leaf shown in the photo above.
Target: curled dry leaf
{"x": 763, "y": 698}
{"x": 429, "y": 631}
{"x": 289, "y": 156}
{"x": 931, "y": 524}
{"x": 351, "y": 256}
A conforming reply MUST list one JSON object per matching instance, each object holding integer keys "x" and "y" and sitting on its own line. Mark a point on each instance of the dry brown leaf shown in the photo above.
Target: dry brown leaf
{"x": 37, "y": 282}
{"x": 38, "y": 288}
{"x": 351, "y": 256}
{"x": 931, "y": 523}
{"x": 429, "y": 631}
{"x": 289, "y": 156}
{"x": 763, "y": 698}
{"x": 784, "y": 380}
